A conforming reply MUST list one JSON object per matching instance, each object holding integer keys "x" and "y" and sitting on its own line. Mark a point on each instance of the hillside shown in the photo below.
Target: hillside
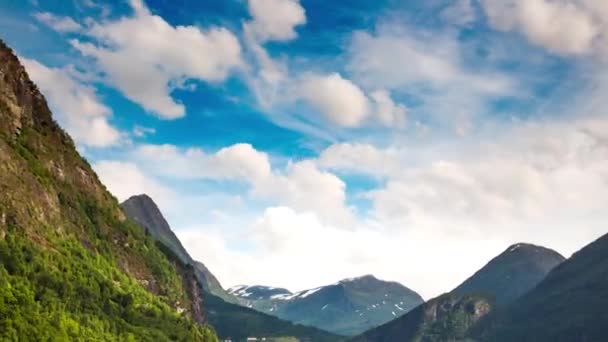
{"x": 445, "y": 318}
{"x": 230, "y": 320}
{"x": 512, "y": 273}
{"x": 72, "y": 267}
{"x": 348, "y": 307}
{"x": 568, "y": 305}
{"x": 452, "y": 316}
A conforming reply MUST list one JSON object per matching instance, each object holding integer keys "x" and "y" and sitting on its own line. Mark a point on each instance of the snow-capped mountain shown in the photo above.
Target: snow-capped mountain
{"x": 347, "y": 307}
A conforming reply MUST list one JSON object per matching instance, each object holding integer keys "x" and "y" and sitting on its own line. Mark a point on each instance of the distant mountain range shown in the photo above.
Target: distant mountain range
{"x": 231, "y": 321}
{"x": 452, "y": 316}
{"x": 348, "y": 307}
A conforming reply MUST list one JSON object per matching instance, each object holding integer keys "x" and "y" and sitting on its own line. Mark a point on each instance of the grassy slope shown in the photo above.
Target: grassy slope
{"x": 71, "y": 265}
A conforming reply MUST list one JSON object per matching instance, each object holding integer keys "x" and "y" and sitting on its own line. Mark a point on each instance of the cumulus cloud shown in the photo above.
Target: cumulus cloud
{"x": 60, "y": 24}
{"x": 517, "y": 185}
{"x": 285, "y": 249}
{"x": 75, "y": 105}
{"x": 301, "y": 185}
{"x": 340, "y": 100}
{"x": 359, "y": 158}
{"x": 562, "y": 26}
{"x": 275, "y": 19}
{"x": 149, "y": 78}
{"x": 125, "y": 179}
{"x": 387, "y": 111}
{"x": 236, "y": 162}
{"x": 344, "y": 103}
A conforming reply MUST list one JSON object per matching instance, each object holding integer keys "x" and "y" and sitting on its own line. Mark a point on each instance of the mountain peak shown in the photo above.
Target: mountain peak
{"x": 367, "y": 277}
{"x": 512, "y": 273}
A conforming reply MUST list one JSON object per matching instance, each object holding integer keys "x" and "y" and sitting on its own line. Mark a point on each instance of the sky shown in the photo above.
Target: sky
{"x": 295, "y": 143}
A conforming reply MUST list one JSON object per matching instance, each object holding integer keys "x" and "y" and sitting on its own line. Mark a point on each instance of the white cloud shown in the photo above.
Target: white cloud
{"x": 306, "y": 188}
{"x": 301, "y": 185}
{"x": 275, "y": 19}
{"x": 567, "y": 27}
{"x": 236, "y": 162}
{"x": 75, "y": 105}
{"x": 286, "y": 248}
{"x": 340, "y": 100}
{"x": 149, "y": 78}
{"x": 387, "y": 111}
{"x": 60, "y": 24}
{"x": 125, "y": 179}
{"x": 359, "y": 158}
{"x": 536, "y": 181}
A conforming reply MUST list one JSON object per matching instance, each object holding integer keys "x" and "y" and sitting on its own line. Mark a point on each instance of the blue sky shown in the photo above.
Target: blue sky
{"x": 294, "y": 143}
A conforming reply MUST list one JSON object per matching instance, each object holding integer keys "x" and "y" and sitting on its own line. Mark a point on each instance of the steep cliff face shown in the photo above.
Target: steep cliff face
{"x": 71, "y": 265}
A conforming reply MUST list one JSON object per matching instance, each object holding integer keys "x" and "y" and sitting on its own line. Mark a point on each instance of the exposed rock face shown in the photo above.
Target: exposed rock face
{"x": 512, "y": 273}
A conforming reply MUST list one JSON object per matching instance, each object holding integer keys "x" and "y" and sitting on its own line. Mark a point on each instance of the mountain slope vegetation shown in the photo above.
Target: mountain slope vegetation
{"x": 72, "y": 267}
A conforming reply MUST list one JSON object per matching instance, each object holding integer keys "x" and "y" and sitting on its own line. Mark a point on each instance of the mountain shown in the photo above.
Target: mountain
{"x": 568, "y": 305}
{"x": 348, "y": 307}
{"x": 448, "y": 317}
{"x": 451, "y": 317}
{"x": 512, "y": 273}
{"x": 230, "y": 320}
{"x": 142, "y": 210}
{"x": 72, "y": 266}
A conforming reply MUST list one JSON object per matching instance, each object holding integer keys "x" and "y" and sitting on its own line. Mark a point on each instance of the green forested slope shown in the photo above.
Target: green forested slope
{"x": 72, "y": 267}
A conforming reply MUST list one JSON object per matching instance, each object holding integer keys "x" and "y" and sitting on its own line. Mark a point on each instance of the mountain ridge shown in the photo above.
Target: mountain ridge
{"x": 346, "y": 307}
